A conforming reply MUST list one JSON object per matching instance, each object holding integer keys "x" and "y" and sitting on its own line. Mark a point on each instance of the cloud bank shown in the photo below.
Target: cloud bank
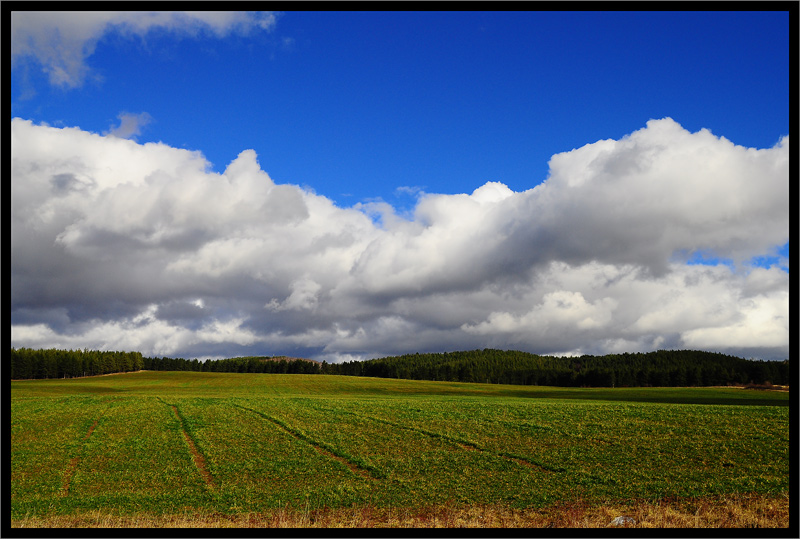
{"x": 121, "y": 245}
{"x": 61, "y": 41}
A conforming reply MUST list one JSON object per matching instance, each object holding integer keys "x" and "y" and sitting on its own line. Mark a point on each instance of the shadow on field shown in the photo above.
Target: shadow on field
{"x": 663, "y": 395}
{"x": 655, "y": 395}
{"x": 208, "y": 384}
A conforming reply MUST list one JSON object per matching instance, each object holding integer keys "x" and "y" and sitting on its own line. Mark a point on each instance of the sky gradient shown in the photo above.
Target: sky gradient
{"x": 352, "y": 185}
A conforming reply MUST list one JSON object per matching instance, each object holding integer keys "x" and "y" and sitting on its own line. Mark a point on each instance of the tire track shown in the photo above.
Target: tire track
{"x": 466, "y": 445}
{"x": 197, "y": 456}
{"x": 562, "y": 432}
{"x": 73, "y": 463}
{"x": 361, "y": 469}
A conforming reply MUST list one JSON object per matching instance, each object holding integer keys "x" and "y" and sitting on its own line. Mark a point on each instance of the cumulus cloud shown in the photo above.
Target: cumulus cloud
{"x": 62, "y": 41}
{"x": 130, "y": 125}
{"x": 123, "y": 245}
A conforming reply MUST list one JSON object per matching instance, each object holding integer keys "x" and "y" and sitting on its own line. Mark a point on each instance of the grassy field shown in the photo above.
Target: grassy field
{"x": 153, "y": 445}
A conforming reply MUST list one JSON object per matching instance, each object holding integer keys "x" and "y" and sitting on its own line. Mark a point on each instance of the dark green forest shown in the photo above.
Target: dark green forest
{"x": 675, "y": 368}
{"x": 51, "y": 363}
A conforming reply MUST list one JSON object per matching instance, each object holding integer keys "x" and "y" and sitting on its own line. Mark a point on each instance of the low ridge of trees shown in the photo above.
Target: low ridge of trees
{"x": 280, "y": 365}
{"x": 27, "y": 363}
{"x": 660, "y": 368}
{"x": 263, "y": 364}
{"x": 52, "y": 363}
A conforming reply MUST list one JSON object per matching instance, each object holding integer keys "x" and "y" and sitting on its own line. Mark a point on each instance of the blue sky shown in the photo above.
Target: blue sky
{"x": 355, "y": 105}
{"x": 396, "y": 115}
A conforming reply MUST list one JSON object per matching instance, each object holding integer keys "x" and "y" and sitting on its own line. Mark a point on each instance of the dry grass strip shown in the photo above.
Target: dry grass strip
{"x": 732, "y": 511}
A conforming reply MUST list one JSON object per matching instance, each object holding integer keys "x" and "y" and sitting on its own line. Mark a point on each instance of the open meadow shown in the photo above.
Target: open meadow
{"x": 188, "y": 448}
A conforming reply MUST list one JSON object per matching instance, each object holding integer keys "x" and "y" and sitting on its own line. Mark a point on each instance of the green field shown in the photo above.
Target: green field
{"x": 173, "y": 442}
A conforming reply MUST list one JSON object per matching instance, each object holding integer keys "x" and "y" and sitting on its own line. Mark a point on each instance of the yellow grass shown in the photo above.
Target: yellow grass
{"x": 733, "y": 511}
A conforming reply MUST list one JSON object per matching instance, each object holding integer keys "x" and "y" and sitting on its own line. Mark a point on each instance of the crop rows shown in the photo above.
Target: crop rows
{"x": 250, "y": 452}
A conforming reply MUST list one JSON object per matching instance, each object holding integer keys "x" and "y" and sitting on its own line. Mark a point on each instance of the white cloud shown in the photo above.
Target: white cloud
{"x": 61, "y": 41}
{"x": 410, "y": 190}
{"x": 661, "y": 191}
{"x": 699, "y": 307}
{"x": 763, "y": 322}
{"x": 143, "y": 332}
{"x": 130, "y": 125}
{"x": 560, "y": 310}
{"x": 123, "y": 245}
{"x": 303, "y": 296}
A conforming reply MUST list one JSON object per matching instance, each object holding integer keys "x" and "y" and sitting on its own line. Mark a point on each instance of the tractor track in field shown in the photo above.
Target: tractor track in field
{"x": 73, "y": 463}
{"x": 463, "y": 444}
{"x": 359, "y": 469}
{"x": 560, "y": 431}
{"x": 197, "y": 456}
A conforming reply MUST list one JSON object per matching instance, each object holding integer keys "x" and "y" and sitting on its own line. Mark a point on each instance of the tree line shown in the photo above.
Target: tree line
{"x": 52, "y": 363}
{"x": 27, "y": 363}
{"x": 262, "y": 364}
{"x": 659, "y": 368}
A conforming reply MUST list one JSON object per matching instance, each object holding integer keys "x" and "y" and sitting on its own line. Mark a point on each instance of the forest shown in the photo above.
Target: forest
{"x": 27, "y": 363}
{"x": 676, "y": 368}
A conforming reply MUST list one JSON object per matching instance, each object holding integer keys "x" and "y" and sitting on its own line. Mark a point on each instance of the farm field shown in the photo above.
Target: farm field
{"x": 179, "y": 443}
